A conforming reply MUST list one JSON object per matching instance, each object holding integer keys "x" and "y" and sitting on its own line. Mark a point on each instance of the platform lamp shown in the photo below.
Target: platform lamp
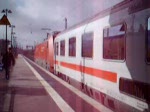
{"x": 6, "y": 11}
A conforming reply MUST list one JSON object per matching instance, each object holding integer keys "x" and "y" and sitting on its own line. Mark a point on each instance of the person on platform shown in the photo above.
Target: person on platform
{"x": 8, "y": 60}
{"x": 1, "y": 64}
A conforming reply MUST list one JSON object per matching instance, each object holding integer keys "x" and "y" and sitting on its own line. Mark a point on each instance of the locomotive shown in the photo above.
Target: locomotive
{"x": 107, "y": 56}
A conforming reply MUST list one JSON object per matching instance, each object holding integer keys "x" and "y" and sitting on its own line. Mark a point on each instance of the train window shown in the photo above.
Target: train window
{"x": 114, "y": 42}
{"x": 72, "y": 46}
{"x": 62, "y": 48}
{"x": 135, "y": 88}
{"x": 87, "y": 45}
{"x": 148, "y": 41}
{"x": 56, "y": 48}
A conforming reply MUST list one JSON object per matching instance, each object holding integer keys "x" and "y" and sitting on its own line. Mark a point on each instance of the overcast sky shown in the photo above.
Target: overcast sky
{"x": 30, "y": 16}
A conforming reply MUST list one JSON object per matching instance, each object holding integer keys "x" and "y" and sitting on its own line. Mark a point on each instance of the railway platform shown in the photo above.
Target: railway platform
{"x": 33, "y": 89}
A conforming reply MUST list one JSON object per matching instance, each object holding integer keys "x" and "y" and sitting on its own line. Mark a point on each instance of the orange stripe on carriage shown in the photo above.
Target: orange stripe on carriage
{"x": 106, "y": 75}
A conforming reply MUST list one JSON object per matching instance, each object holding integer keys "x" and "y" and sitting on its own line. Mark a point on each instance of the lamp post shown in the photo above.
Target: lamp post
{"x": 6, "y": 11}
{"x": 65, "y": 23}
{"x": 12, "y": 26}
{"x": 15, "y": 42}
{"x": 7, "y": 71}
{"x": 15, "y": 45}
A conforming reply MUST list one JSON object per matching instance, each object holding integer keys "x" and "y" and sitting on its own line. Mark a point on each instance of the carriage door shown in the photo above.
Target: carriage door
{"x": 148, "y": 48}
{"x": 87, "y": 54}
{"x": 56, "y": 45}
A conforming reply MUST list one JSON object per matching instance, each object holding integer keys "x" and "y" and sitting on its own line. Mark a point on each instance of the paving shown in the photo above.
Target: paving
{"x": 3, "y": 89}
{"x": 23, "y": 92}
{"x": 31, "y": 89}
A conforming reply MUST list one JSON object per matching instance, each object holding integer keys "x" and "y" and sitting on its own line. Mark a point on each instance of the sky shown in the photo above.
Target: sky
{"x": 30, "y": 16}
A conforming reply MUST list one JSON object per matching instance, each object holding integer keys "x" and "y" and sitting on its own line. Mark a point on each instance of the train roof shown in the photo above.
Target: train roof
{"x": 133, "y": 5}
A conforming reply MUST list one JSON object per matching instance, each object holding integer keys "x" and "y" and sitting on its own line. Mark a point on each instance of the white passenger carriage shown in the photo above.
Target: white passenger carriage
{"x": 108, "y": 56}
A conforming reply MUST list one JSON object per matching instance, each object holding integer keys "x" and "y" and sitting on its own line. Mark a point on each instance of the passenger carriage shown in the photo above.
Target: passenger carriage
{"x": 108, "y": 56}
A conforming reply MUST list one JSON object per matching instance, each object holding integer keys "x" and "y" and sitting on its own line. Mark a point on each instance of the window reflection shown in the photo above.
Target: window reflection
{"x": 114, "y": 42}
{"x": 72, "y": 46}
{"x": 62, "y": 48}
{"x": 87, "y": 45}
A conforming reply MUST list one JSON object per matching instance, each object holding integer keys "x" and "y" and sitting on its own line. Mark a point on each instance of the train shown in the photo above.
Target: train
{"x": 107, "y": 56}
